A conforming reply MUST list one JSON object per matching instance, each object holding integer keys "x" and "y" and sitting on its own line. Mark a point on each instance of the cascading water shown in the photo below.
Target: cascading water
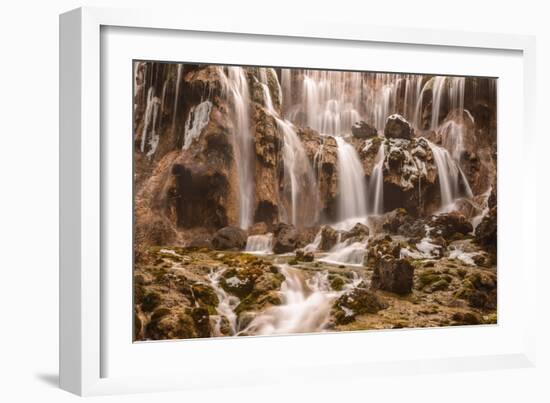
{"x": 452, "y": 181}
{"x": 226, "y": 306}
{"x": 299, "y": 177}
{"x": 260, "y": 244}
{"x": 352, "y": 187}
{"x": 376, "y": 183}
{"x": 306, "y": 304}
{"x": 236, "y": 87}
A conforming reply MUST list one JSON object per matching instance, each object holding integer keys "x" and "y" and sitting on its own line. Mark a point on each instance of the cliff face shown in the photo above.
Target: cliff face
{"x": 191, "y": 157}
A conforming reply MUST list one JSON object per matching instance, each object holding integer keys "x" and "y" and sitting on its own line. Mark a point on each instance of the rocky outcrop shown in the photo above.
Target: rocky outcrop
{"x": 329, "y": 238}
{"x": 285, "y": 238}
{"x": 358, "y": 233}
{"x": 229, "y": 238}
{"x": 447, "y": 225}
{"x": 394, "y": 275}
{"x": 362, "y": 130}
{"x": 398, "y": 127}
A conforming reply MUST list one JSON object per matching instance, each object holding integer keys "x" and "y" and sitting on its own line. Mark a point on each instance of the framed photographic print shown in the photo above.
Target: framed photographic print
{"x": 231, "y": 194}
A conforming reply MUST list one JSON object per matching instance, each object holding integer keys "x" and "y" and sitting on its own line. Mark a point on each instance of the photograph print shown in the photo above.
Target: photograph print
{"x": 277, "y": 201}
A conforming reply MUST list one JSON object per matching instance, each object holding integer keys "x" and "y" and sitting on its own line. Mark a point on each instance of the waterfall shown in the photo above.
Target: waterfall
{"x": 306, "y": 304}
{"x": 259, "y": 244}
{"x": 226, "y": 306}
{"x": 348, "y": 253}
{"x": 438, "y": 86}
{"x": 452, "y": 136}
{"x": 450, "y": 177}
{"x": 376, "y": 183}
{"x": 197, "y": 119}
{"x": 352, "y": 187}
{"x": 299, "y": 178}
{"x": 236, "y": 86}
{"x": 176, "y": 96}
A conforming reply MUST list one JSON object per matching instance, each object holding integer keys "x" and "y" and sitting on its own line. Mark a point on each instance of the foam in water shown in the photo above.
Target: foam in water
{"x": 347, "y": 253}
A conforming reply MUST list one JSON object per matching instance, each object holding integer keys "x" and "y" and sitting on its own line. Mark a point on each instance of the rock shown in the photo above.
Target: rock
{"x": 466, "y": 318}
{"x": 446, "y": 225}
{"x": 362, "y": 130}
{"x": 358, "y": 233}
{"x": 359, "y": 301}
{"x": 486, "y": 231}
{"x": 258, "y": 228}
{"x": 170, "y": 324}
{"x": 202, "y": 321}
{"x": 479, "y": 289}
{"x": 239, "y": 281}
{"x": 398, "y": 127}
{"x": 394, "y": 275}
{"x": 329, "y": 238}
{"x": 380, "y": 246}
{"x": 229, "y": 238}
{"x": 285, "y": 238}
{"x": 304, "y": 256}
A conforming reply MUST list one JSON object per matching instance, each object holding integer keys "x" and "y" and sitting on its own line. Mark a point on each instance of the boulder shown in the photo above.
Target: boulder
{"x": 229, "y": 238}
{"x": 394, "y": 275}
{"x": 398, "y": 127}
{"x": 329, "y": 238}
{"x": 380, "y": 246}
{"x": 171, "y": 324}
{"x": 358, "y": 233}
{"x": 359, "y": 301}
{"x": 449, "y": 224}
{"x": 362, "y": 130}
{"x": 285, "y": 238}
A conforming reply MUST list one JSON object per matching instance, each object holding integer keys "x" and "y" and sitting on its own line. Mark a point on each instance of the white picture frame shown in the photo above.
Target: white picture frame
{"x": 83, "y": 297}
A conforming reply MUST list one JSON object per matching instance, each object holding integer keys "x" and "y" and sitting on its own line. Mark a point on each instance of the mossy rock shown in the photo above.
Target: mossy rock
{"x": 337, "y": 283}
{"x": 205, "y": 295}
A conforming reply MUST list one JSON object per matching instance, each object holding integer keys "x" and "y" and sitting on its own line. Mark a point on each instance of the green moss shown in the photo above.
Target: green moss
{"x": 293, "y": 262}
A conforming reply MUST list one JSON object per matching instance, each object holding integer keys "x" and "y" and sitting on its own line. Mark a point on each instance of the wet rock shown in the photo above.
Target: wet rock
{"x": 486, "y": 231}
{"x": 304, "y": 256}
{"x": 362, "y": 130}
{"x": 358, "y": 233}
{"x": 285, "y": 238}
{"x": 240, "y": 281}
{"x": 449, "y": 224}
{"x": 398, "y": 127}
{"x": 206, "y": 297}
{"x": 229, "y": 238}
{"x": 394, "y": 275}
{"x": 359, "y": 301}
{"x": 329, "y": 238}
